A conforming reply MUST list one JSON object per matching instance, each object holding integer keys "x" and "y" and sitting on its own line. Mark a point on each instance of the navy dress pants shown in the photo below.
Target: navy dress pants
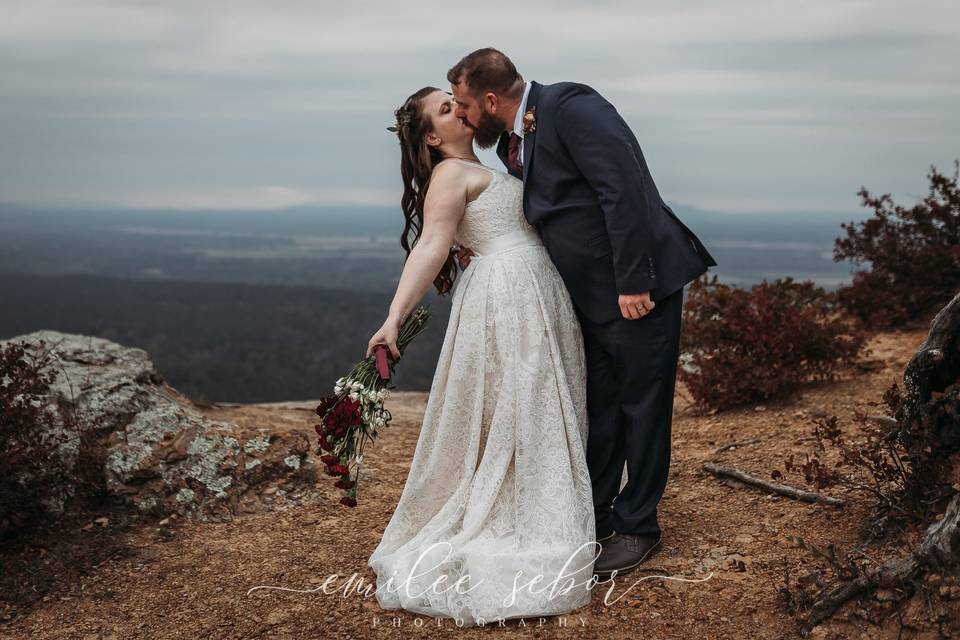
{"x": 631, "y": 378}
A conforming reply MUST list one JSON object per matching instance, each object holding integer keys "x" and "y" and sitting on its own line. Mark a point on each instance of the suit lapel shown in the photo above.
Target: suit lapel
{"x": 530, "y": 139}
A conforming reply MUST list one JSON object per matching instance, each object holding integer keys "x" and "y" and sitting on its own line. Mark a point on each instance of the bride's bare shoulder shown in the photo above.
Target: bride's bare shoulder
{"x": 448, "y": 168}
{"x": 454, "y": 174}
{"x": 448, "y": 174}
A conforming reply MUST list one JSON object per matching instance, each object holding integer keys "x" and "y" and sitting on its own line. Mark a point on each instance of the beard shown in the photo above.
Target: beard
{"x": 488, "y": 130}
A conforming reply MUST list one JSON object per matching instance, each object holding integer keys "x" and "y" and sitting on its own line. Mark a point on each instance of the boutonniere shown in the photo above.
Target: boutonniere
{"x": 530, "y": 121}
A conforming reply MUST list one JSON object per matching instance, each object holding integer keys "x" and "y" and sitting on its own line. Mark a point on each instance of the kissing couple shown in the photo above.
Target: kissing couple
{"x": 558, "y": 365}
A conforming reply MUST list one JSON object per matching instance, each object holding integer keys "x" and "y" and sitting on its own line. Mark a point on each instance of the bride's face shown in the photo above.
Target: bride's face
{"x": 446, "y": 126}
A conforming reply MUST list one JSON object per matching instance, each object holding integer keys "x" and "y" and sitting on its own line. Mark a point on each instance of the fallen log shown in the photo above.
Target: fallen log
{"x": 775, "y": 487}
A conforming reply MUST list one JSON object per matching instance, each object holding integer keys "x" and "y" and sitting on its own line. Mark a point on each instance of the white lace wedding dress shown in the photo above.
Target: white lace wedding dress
{"x": 499, "y": 482}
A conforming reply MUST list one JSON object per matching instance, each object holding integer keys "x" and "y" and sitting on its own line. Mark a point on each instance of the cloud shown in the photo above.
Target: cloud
{"x": 745, "y": 103}
{"x": 717, "y": 82}
{"x": 257, "y": 198}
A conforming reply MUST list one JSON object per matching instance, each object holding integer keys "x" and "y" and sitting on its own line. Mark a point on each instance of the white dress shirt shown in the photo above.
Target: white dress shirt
{"x": 518, "y": 122}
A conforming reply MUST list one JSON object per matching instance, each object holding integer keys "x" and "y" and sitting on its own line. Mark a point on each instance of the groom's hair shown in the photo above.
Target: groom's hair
{"x": 487, "y": 70}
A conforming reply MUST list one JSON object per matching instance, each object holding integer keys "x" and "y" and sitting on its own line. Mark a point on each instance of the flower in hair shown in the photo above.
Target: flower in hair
{"x": 403, "y": 119}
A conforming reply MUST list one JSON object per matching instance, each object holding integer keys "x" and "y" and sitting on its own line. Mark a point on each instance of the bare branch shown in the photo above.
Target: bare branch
{"x": 775, "y": 487}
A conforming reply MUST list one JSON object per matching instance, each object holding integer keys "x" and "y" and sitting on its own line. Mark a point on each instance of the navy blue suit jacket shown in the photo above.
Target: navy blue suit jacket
{"x": 588, "y": 191}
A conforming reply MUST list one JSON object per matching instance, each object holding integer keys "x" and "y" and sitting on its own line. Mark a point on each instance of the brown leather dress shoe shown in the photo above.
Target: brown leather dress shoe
{"x": 625, "y": 552}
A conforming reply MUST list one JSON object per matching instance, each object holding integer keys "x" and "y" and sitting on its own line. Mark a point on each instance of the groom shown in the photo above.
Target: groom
{"x": 624, "y": 256}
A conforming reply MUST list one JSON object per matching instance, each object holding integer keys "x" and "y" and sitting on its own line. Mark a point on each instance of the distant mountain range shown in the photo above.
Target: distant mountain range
{"x": 355, "y": 248}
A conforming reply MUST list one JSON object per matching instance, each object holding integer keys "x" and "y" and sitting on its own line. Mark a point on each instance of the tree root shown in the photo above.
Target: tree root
{"x": 934, "y": 366}
{"x": 940, "y": 548}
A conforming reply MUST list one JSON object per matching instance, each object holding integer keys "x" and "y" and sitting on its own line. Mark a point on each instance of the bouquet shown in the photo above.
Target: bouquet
{"x": 355, "y": 414}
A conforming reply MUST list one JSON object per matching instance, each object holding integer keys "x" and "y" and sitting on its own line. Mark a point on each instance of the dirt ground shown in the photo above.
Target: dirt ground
{"x": 128, "y": 578}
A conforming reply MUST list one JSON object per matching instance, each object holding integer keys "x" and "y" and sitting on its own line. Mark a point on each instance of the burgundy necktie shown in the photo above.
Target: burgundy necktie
{"x": 512, "y": 152}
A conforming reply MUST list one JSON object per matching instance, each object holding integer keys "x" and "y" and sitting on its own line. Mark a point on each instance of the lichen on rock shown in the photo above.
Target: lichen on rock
{"x": 162, "y": 455}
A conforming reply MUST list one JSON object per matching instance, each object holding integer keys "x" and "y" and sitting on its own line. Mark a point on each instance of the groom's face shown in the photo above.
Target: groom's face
{"x": 480, "y": 115}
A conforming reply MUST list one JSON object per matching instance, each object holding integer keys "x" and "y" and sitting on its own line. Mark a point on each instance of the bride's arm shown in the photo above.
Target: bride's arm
{"x": 443, "y": 210}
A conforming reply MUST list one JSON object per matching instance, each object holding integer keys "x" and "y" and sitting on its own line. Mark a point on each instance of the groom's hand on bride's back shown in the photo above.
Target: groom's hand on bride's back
{"x": 463, "y": 257}
{"x": 635, "y": 306}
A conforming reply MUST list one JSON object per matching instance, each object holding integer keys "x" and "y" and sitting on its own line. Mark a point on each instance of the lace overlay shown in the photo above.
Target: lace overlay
{"x": 499, "y": 482}
{"x": 498, "y": 210}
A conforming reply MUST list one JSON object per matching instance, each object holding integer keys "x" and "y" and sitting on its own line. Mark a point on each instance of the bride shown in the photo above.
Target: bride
{"x": 496, "y": 518}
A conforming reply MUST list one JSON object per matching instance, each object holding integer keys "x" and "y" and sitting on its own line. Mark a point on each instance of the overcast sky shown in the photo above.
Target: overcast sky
{"x": 753, "y": 105}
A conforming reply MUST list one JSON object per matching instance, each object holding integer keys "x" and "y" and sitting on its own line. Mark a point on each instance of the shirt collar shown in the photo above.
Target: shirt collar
{"x": 518, "y": 121}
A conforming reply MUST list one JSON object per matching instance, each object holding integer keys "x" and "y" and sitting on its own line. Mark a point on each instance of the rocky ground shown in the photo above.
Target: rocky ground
{"x": 127, "y": 576}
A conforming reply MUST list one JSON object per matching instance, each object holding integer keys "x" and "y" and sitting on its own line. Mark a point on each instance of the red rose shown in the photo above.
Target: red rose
{"x": 343, "y": 483}
{"x": 336, "y": 470}
{"x": 331, "y": 422}
{"x": 343, "y": 416}
{"x": 325, "y": 404}
{"x": 347, "y": 500}
{"x": 329, "y": 459}
{"x": 324, "y": 443}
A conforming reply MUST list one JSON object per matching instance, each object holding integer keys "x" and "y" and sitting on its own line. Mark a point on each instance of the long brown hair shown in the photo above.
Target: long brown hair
{"x": 417, "y": 160}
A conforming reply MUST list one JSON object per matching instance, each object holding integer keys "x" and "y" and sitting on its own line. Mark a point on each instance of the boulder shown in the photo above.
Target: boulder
{"x": 160, "y": 453}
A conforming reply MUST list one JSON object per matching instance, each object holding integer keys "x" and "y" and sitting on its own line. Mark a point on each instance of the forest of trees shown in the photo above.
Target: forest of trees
{"x": 222, "y": 342}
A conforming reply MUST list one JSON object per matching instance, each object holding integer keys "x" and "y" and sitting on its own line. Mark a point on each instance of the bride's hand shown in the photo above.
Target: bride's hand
{"x": 387, "y": 334}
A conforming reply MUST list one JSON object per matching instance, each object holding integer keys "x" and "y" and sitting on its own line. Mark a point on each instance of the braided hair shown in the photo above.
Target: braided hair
{"x": 417, "y": 160}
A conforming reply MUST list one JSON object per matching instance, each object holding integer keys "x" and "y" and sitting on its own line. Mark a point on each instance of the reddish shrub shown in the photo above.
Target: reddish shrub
{"x": 35, "y": 481}
{"x": 913, "y": 255}
{"x": 748, "y": 345}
